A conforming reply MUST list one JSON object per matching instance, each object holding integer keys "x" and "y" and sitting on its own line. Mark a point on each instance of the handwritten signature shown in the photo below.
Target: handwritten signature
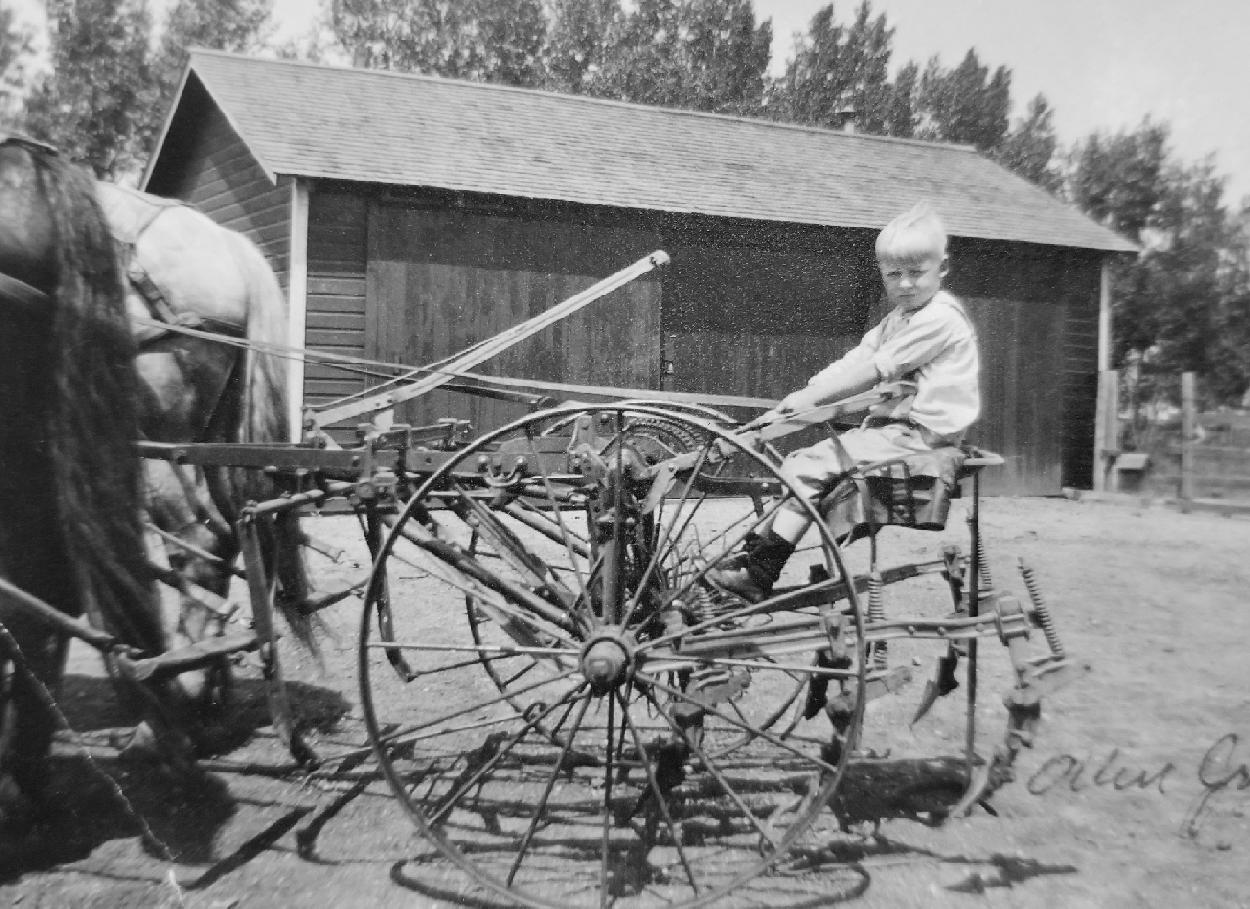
{"x": 1220, "y": 770}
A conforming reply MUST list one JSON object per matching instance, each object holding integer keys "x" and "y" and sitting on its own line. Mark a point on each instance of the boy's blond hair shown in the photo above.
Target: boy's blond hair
{"x": 916, "y": 234}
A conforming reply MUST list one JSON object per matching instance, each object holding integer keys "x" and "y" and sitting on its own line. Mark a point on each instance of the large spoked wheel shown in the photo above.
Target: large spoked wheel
{"x": 641, "y": 736}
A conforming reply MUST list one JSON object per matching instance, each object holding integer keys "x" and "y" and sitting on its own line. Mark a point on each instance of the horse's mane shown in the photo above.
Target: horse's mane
{"x": 93, "y": 423}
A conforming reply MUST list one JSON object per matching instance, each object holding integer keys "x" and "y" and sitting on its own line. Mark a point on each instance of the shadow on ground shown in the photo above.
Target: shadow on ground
{"x": 96, "y": 796}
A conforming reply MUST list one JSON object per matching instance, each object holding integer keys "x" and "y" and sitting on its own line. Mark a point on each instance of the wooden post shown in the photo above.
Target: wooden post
{"x": 1189, "y": 423}
{"x": 1106, "y": 429}
{"x": 297, "y": 302}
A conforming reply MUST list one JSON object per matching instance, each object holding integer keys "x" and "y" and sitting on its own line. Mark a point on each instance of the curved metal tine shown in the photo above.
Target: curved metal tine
{"x": 564, "y": 531}
{"x": 396, "y": 735}
{"x": 762, "y": 733}
{"x": 447, "y": 573}
{"x": 509, "y": 547}
{"x": 713, "y": 769}
{"x": 654, "y": 785}
{"x": 659, "y": 551}
{"x": 556, "y": 768}
{"x": 485, "y": 595}
{"x": 449, "y": 801}
{"x": 371, "y": 525}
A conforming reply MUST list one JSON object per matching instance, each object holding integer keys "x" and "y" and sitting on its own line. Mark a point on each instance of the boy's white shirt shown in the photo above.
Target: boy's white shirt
{"x": 934, "y": 346}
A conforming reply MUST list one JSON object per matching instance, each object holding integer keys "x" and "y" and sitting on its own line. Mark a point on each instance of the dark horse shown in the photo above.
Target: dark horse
{"x": 70, "y": 528}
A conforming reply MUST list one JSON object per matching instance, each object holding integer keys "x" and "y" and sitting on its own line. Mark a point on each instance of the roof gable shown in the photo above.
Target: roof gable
{"x": 379, "y": 127}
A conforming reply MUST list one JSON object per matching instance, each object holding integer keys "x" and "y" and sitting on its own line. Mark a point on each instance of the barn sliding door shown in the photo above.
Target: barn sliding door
{"x": 440, "y": 280}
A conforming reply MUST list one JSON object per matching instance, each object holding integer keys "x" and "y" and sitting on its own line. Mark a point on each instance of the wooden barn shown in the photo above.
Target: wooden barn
{"x": 410, "y": 216}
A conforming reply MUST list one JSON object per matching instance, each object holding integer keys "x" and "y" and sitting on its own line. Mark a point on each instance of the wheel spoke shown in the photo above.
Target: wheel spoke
{"x": 659, "y": 551}
{"x": 712, "y": 768}
{"x": 503, "y": 698}
{"x": 560, "y": 740}
{"x": 502, "y": 751}
{"x": 556, "y": 769}
{"x": 762, "y": 733}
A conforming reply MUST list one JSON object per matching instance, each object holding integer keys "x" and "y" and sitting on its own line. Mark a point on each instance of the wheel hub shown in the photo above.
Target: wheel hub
{"x": 606, "y": 660}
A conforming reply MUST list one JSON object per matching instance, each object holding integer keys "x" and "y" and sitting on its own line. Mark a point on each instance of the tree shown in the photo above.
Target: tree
{"x": 1029, "y": 149}
{"x": 577, "y": 42}
{"x": 1118, "y": 179}
{"x": 484, "y": 40}
{"x": 1182, "y": 305}
{"x": 90, "y": 104}
{"x": 699, "y": 54}
{"x": 900, "y": 112}
{"x": 16, "y": 50}
{"x": 966, "y": 105}
{"x": 232, "y": 25}
{"x": 839, "y": 72}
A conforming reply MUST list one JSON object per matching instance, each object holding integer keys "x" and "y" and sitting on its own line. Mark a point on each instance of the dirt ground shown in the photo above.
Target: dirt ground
{"x": 1137, "y": 792}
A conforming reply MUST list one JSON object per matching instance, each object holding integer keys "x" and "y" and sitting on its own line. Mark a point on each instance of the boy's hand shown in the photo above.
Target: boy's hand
{"x": 795, "y": 402}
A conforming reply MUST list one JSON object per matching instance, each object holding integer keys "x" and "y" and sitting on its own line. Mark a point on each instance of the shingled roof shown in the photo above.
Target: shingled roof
{"x": 379, "y": 127}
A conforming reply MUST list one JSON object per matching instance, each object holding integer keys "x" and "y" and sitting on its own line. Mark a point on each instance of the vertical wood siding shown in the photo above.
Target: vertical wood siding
{"x": 440, "y": 280}
{"x": 1036, "y": 310}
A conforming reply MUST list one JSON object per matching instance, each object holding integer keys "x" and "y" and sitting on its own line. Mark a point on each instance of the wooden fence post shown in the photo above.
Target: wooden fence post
{"x": 1189, "y": 423}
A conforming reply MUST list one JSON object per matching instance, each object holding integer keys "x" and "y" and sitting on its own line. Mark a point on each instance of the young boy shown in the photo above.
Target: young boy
{"x": 926, "y": 339}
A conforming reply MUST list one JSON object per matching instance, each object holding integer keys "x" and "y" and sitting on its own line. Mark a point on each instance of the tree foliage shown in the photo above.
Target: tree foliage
{"x": 840, "y": 72}
{"x": 482, "y": 40}
{"x": 578, "y": 41}
{"x": 697, "y": 54}
{"x": 90, "y": 103}
{"x": 966, "y": 105}
{"x": 1030, "y": 148}
{"x": 230, "y": 25}
{"x": 16, "y": 49}
{"x": 1184, "y": 303}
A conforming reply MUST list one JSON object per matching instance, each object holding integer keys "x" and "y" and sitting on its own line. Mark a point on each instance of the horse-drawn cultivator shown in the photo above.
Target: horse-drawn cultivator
{"x": 563, "y": 702}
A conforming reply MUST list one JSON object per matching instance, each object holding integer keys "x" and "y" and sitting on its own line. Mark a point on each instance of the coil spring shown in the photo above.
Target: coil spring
{"x": 876, "y": 613}
{"x": 1041, "y": 609}
{"x": 704, "y": 606}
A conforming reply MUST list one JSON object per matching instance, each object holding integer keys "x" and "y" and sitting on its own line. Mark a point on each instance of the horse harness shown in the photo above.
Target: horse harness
{"x": 128, "y": 227}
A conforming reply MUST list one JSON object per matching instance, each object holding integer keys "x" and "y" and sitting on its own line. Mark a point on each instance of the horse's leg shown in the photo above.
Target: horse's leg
{"x": 182, "y": 380}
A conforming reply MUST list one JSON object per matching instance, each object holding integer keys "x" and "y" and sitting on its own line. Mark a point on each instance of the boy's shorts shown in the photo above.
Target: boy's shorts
{"x": 815, "y": 469}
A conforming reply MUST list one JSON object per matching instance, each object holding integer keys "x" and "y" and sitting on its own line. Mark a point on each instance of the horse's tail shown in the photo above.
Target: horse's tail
{"x": 266, "y": 396}
{"x": 93, "y": 423}
{"x": 266, "y": 418}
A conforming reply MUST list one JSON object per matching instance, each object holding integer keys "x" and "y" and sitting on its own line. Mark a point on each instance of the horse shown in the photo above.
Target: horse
{"x": 193, "y": 287}
{"x": 70, "y": 483}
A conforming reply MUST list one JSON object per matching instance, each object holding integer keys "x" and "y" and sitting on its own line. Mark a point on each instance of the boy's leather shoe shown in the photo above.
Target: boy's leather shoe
{"x": 738, "y": 580}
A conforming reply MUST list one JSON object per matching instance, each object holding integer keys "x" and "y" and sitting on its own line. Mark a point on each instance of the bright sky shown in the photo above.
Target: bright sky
{"x": 1102, "y": 64}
